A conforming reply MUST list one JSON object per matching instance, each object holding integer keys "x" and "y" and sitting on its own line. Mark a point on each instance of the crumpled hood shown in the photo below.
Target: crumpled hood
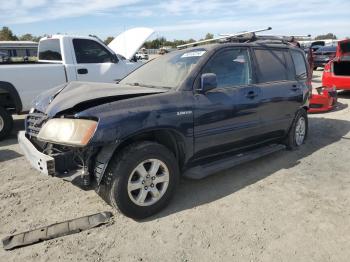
{"x": 77, "y": 93}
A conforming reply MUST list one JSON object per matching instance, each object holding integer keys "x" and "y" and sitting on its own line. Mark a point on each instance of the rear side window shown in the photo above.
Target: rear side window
{"x": 299, "y": 64}
{"x": 50, "y": 50}
{"x": 89, "y": 51}
{"x": 272, "y": 65}
{"x": 232, "y": 67}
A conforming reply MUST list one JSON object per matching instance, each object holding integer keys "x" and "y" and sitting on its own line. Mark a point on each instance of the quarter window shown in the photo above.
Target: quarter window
{"x": 50, "y": 50}
{"x": 272, "y": 65}
{"x": 89, "y": 51}
{"x": 300, "y": 66}
{"x": 232, "y": 68}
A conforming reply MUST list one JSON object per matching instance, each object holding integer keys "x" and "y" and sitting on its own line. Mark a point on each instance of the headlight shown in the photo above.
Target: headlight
{"x": 66, "y": 131}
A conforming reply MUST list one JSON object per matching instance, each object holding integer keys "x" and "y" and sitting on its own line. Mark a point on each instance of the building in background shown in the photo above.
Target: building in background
{"x": 19, "y": 48}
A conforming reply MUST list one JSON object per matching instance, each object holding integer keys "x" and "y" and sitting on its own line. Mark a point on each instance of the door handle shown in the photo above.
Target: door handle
{"x": 82, "y": 71}
{"x": 251, "y": 94}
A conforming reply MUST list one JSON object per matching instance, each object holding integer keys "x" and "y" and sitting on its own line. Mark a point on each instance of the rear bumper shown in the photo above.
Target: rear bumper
{"x": 41, "y": 162}
{"x": 320, "y": 63}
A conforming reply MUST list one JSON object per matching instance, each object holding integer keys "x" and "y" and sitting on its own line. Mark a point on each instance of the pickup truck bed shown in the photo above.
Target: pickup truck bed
{"x": 26, "y": 75}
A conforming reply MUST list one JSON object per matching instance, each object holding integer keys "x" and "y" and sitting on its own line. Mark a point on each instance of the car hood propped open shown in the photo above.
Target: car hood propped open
{"x": 130, "y": 41}
{"x": 343, "y": 50}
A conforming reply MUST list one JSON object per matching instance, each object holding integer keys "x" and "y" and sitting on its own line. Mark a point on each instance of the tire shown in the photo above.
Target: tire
{"x": 6, "y": 123}
{"x": 122, "y": 174}
{"x": 295, "y": 138}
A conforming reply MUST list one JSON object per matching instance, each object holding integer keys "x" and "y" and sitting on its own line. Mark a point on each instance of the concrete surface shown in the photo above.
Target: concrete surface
{"x": 289, "y": 206}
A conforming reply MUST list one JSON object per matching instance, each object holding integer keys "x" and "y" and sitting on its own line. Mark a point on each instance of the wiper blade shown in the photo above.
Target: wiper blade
{"x": 145, "y": 85}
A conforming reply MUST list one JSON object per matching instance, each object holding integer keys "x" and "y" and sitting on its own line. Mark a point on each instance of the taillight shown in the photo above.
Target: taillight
{"x": 327, "y": 68}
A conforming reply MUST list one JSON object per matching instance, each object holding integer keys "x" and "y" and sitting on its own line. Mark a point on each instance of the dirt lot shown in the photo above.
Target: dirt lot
{"x": 290, "y": 206}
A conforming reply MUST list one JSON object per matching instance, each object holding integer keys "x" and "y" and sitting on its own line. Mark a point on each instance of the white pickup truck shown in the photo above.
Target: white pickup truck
{"x": 64, "y": 58}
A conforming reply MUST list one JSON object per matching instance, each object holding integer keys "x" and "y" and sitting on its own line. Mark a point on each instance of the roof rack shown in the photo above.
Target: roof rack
{"x": 248, "y": 37}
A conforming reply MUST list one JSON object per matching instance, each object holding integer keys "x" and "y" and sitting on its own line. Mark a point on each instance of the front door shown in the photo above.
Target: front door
{"x": 226, "y": 117}
{"x": 95, "y": 63}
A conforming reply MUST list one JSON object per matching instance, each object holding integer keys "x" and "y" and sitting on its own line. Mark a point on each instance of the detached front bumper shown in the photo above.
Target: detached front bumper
{"x": 41, "y": 162}
{"x": 323, "y": 101}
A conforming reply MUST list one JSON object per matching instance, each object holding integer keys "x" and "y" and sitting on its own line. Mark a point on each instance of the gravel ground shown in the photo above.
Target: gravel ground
{"x": 289, "y": 206}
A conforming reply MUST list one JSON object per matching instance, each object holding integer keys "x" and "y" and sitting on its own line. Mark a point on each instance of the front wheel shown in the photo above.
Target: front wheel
{"x": 6, "y": 123}
{"x": 140, "y": 180}
{"x": 298, "y": 132}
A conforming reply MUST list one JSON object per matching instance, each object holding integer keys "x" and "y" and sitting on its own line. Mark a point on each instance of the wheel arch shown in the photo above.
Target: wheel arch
{"x": 9, "y": 97}
{"x": 169, "y": 138}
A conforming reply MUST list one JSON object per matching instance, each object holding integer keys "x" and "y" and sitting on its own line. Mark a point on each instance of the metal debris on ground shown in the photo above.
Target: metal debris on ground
{"x": 56, "y": 230}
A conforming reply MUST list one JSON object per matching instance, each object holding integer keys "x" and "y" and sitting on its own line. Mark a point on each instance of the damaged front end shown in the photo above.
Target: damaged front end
{"x": 73, "y": 130}
{"x": 59, "y": 146}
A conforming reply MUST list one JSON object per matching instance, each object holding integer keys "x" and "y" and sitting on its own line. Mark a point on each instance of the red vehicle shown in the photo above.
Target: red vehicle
{"x": 323, "y": 99}
{"x": 337, "y": 71}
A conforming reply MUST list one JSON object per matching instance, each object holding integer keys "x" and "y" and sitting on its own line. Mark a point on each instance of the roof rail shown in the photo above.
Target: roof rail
{"x": 249, "y": 37}
{"x": 225, "y": 37}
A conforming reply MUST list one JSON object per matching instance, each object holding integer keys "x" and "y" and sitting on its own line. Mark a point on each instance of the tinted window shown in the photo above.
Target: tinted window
{"x": 232, "y": 67}
{"x": 50, "y": 50}
{"x": 299, "y": 63}
{"x": 272, "y": 65}
{"x": 89, "y": 51}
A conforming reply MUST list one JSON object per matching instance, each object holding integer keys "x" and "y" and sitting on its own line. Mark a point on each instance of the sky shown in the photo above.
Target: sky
{"x": 175, "y": 19}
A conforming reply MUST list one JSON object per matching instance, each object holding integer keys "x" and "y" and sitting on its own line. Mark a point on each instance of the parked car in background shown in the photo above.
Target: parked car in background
{"x": 337, "y": 72}
{"x": 141, "y": 56}
{"x": 323, "y": 55}
{"x": 4, "y": 58}
{"x": 64, "y": 58}
{"x": 192, "y": 112}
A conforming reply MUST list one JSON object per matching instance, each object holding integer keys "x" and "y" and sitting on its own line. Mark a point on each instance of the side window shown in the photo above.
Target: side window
{"x": 300, "y": 66}
{"x": 232, "y": 67}
{"x": 50, "y": 50}
{"x": 272, "y": 65}
{"x": 89, "y": 51}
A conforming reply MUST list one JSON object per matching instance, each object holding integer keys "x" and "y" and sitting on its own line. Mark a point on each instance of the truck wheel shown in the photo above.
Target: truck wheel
{"x": 298, "y": 132}
{"x": 6, "y": 123}
{"x": 140, "y": 180}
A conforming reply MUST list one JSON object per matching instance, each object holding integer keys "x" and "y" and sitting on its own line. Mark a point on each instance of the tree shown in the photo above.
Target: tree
{"x": 108, "y": 40}
{"x": 326, "y": 36}
{"x": 7, "y": 35}
{"x": 209, "y": 36}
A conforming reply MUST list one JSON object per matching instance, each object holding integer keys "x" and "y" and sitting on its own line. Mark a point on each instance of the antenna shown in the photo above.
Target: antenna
{"x": 224, "y": 37}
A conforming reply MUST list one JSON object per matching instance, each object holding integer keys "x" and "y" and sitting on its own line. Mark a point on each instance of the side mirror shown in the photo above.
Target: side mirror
{"x": 208, "y": 82}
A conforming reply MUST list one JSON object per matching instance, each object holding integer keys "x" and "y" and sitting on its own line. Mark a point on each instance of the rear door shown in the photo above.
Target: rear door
{"x": 96, "y": 63}
{"x": 227, "y": 117}
{"x": 281, "y": 95}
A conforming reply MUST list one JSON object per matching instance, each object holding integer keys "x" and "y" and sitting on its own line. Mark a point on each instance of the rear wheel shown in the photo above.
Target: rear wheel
{"x": 140, "y": 180}
{"x": 6, "y": 123}
{"x": 298, "y": 132}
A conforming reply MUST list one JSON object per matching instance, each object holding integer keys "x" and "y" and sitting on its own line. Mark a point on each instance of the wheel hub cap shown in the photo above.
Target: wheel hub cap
{"x": 300, "y": 131}
{"x": 1, "y": 124}
{"x": 148, "y": 182}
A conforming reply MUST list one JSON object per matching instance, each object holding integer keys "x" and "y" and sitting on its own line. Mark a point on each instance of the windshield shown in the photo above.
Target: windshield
{"x": 167, "y": 71}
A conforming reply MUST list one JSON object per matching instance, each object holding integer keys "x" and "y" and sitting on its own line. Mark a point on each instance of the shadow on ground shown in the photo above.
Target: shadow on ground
{"x": 193, "y": 193}
{"x": 18, "y": 125}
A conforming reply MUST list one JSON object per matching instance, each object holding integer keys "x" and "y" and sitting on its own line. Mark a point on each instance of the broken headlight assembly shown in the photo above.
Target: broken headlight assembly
{"x": 66, "y": 131}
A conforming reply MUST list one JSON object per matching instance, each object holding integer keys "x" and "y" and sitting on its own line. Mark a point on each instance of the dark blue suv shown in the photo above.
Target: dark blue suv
{"x": 191, "y": 112}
